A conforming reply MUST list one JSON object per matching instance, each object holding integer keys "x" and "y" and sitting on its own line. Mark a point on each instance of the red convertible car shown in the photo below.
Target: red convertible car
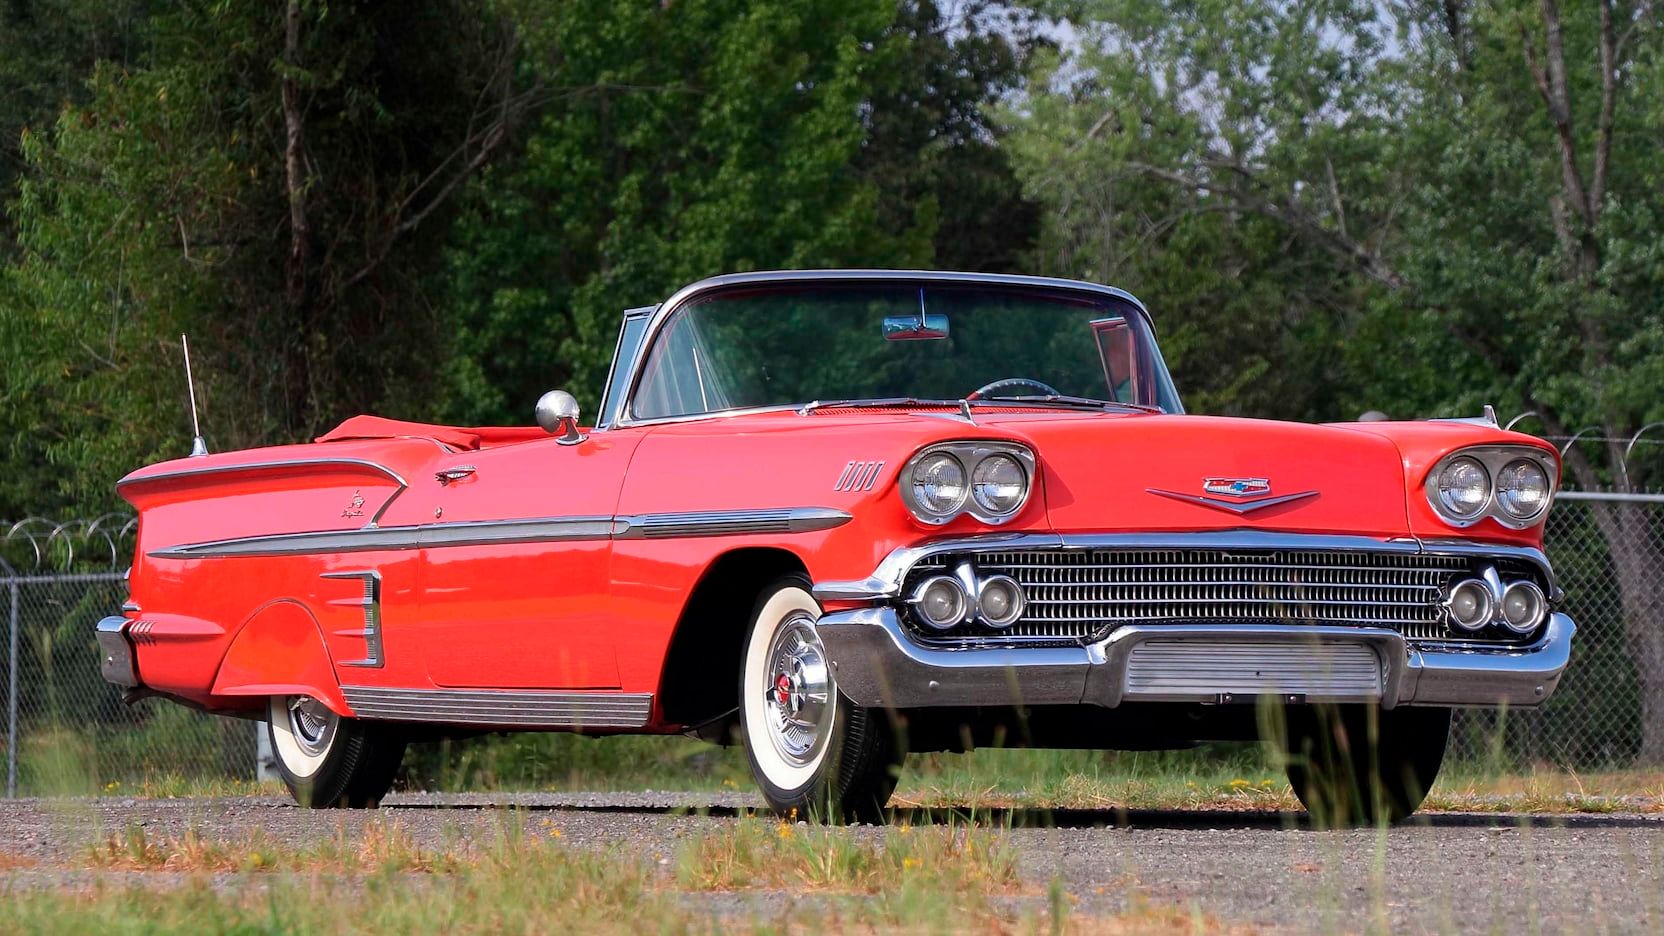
{"x": 838, "y": 516}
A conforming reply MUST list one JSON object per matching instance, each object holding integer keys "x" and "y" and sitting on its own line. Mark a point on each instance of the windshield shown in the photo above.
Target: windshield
{"x": 793, "y": 343}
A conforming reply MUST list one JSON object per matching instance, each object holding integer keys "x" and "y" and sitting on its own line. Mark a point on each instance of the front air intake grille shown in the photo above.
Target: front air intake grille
{"x": 1079, "y": 595}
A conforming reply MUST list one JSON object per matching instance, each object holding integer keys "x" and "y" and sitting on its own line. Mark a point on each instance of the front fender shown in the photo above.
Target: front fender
{"x": 281, "y": 651}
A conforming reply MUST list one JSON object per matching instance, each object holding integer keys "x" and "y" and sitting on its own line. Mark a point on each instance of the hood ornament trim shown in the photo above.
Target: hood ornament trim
{"x": 1237, "y": 507}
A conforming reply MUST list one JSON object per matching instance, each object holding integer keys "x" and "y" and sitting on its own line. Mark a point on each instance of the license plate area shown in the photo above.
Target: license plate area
{"x": 1212, "y": 670}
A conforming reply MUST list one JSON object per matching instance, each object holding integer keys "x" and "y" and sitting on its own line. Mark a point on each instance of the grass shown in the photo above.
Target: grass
{"x": 1217, "y": 778}
{"x": 956, "y": 857}
{"x": 525, "y": 879}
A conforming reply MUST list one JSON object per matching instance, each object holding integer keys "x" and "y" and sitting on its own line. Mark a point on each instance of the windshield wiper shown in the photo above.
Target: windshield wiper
{"x": 808, "y": 408}
{"x": 1061, "y": 399}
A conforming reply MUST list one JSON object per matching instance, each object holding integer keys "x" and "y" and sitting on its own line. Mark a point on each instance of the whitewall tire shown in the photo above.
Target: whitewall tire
{"x": 327, "y": 760}
{"x": 813, "y": 753}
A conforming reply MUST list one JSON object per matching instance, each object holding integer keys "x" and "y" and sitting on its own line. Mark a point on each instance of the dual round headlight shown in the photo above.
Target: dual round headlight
{"x": 944, "y": 602}
{"x": 990, "y": 481}
{"x": 1475, "y": 603}
{"x": 1522, "y": 489}
{"x": 939, "y": 484}
{"x": 1510, "y": 483}
{"x": 1464, "y": 488}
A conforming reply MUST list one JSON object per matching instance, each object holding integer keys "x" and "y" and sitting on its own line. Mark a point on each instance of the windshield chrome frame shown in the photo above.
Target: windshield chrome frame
{"x": 626, "y": 411}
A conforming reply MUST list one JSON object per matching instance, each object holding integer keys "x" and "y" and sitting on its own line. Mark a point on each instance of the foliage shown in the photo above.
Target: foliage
{"x": 791, "y": 133}
{"x": 279, "y": 199}
{"x": 1170, "y": 151}
{"x": 1416, "y": 208}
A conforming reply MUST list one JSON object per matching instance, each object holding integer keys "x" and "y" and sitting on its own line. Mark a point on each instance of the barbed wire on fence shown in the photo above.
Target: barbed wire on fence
{"x": 39, "y": 544}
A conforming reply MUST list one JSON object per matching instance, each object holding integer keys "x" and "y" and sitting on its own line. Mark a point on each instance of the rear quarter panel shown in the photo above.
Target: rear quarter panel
{"x": 194, "y": 608}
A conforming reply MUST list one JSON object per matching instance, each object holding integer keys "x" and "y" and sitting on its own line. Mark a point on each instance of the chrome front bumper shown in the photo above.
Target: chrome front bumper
{"x": 877, "y": 664}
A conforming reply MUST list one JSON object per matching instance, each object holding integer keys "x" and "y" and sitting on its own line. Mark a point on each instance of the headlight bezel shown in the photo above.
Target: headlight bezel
{"x": 970, "y": 455}
{"x": 1493, "y": 459}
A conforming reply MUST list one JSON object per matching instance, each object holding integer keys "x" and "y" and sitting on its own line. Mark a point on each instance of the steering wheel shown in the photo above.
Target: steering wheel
{"x": 986, "y": 389}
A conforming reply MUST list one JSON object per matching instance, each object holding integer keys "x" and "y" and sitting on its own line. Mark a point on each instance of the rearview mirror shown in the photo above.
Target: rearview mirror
{"x": 557, "y": 413}
{"x": 922, "y": 327}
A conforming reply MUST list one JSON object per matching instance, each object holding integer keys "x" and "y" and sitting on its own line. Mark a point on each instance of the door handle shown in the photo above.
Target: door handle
{"x": 448, "y": 475}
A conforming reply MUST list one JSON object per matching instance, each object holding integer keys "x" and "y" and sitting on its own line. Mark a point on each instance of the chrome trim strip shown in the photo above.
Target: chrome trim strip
{"x": 545, "y": 530}
{"x": 505, "y": 708}
{"x": 366, "y": 539}
{"x": 197, "y": 471}
{"x": 363, "y": 539}
{"x": 1238, "y": 507}
{"x": 626, "y": 416}
{"x": 731, "y": 522}
{"x": 783, "y": 520}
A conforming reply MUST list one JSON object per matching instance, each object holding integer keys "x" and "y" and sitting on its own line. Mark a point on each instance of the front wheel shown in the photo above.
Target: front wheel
{"x": 1362, "y": 765}
{"x": 815, "y": 754}
{"x": 327, "y": 760}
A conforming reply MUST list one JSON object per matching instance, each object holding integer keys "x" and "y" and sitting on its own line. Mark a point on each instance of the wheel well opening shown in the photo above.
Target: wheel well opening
{"x": 702, "y": 669}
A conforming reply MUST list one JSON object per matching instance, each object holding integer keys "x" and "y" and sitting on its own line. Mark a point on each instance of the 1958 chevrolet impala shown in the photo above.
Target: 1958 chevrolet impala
{"x": 838, "y": 516}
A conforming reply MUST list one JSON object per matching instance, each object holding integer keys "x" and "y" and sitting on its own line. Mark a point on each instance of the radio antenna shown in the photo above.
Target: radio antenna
{"x": 198, "y": 447}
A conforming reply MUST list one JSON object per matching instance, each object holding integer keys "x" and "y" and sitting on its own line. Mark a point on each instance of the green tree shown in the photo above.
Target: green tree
{"x": 1179, "y": 152}
{"x": 47, "y": 49}
{"x": 1531, "y": 255}
{"x": 1462, "y": 195}
{"x": 281, "y": 199}
{"x": 789, "y": 133}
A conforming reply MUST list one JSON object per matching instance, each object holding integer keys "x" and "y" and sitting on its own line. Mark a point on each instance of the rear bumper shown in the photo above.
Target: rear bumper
{"x": 877, "y": 664}
{"x": 115, "y": 653}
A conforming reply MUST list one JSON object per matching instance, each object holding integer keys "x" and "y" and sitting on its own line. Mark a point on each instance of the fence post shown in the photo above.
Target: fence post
{"x": 265, "y": 761}
{"x": 11, "y": 700}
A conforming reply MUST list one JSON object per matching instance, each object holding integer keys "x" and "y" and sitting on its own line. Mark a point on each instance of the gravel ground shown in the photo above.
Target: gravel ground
{"x": 1449, "y": 872}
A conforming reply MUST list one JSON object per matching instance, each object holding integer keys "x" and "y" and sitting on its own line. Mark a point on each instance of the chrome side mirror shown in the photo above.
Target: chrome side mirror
{"x": 557, "y": 413}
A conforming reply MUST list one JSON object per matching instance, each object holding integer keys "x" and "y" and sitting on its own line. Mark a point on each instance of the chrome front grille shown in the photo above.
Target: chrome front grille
{"x": 1079, "y": 595}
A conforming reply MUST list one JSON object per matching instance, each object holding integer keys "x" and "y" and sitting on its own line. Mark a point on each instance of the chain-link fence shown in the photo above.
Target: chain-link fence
{"x": 1595, "y": 719}
{"x": 67, "y": 730}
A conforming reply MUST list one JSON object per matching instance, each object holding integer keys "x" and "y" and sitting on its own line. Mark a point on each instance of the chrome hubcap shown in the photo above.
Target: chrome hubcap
{"x": 799, "y": 691}
{"x": 312, "y": 724}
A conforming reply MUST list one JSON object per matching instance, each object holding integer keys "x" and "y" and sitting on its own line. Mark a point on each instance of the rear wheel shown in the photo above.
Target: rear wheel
{"x": 327, "y": 760}
{"x": 1363, "y": 765}
{"x": 815, "y": 754}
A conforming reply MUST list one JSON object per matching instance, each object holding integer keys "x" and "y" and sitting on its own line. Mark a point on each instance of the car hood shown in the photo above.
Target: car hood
{"x": 1209, "y": 473}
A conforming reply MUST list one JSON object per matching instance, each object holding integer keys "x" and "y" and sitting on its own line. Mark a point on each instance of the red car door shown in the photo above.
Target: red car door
{"x": 515, "y": 564}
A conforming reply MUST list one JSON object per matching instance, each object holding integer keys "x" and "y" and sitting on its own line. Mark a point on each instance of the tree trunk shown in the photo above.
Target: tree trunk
{"x": 294, "y": 159}
{"x": 1638, "y": 564}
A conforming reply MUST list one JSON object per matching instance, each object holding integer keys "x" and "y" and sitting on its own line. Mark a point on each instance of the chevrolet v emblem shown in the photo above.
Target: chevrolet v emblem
{"x": 1236, "y": 487}
{"x": 1249, "y": 494}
